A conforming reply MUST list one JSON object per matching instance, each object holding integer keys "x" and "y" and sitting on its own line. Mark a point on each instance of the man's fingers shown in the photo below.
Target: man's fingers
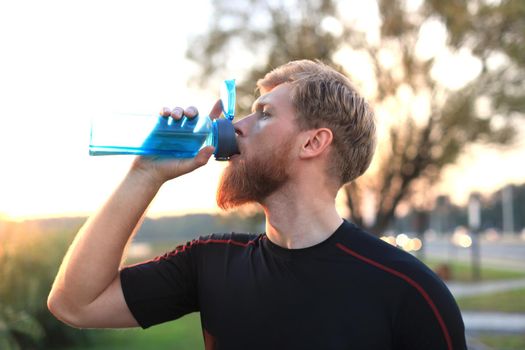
{"x": 177, "y": 113}
{"x": 216, "y": 110}
{"x": 191, "y": 112}
{"x": 165, "y": 112}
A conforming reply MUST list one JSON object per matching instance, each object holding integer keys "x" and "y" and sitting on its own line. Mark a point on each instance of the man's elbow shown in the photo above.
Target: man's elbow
{"x": 64, "y": 311}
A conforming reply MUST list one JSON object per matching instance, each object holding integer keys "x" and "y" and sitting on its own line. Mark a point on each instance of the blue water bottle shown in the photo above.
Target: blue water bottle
{"x": 165, "y": 136}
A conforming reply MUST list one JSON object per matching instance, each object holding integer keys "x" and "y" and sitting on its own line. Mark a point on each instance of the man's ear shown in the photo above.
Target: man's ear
{"x": 316, "y": 141}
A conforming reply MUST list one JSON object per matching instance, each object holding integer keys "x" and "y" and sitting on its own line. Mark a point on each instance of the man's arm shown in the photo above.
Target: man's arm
{"x": 87, "y": 291}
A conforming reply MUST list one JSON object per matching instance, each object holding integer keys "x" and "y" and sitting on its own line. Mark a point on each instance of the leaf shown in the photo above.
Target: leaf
{"x": 20, "y": 322}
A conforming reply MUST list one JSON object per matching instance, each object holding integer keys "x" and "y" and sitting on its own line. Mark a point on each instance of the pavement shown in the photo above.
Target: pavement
{"x": 494, "y": 322}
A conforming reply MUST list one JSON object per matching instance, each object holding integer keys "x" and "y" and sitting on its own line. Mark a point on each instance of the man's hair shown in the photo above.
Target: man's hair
{"x": 323, "y": 97}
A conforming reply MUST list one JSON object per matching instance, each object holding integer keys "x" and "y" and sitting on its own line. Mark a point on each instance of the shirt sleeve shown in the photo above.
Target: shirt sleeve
{"x": 429, "y": 318}
{"x": 162, "y": 289}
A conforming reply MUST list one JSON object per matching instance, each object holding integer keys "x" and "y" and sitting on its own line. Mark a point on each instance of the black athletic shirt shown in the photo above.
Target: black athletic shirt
{"x": 351, "y": 291}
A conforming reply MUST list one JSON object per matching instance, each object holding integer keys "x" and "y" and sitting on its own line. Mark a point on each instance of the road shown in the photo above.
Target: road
{"x": 508, "y": 252}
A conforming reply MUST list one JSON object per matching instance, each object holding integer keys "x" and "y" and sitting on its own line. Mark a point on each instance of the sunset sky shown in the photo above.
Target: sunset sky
{"x": 65, "y": 61}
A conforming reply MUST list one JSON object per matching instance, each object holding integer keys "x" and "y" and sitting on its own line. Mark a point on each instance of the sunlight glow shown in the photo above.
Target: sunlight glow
{"x": 404, "y": 242}
{"x": 66, "y": 62}
{"x": 461, "y": 238}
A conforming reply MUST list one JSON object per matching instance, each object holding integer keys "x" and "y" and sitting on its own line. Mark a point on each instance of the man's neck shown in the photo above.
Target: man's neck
{"x": 293, "y": 222}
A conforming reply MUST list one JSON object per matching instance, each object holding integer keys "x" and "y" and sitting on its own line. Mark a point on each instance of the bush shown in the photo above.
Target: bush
{"x": 29, "y": 261}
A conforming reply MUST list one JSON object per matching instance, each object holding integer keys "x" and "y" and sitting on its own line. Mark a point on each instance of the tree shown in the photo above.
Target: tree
{"x": 427, "y": 123}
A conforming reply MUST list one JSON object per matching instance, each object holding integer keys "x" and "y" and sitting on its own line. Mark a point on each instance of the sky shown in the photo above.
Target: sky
{"x": 63, "y": 62}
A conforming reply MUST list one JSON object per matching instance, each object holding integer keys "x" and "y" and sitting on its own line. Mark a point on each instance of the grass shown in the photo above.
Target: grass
{"x": 182, "y": 334}
{"x": 508, "y": 301}
{"x": 462, "y": 272}
{"x": 503, "y": 341}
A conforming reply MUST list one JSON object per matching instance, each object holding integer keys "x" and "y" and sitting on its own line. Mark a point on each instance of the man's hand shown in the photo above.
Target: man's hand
{"x": 162, "y": 169}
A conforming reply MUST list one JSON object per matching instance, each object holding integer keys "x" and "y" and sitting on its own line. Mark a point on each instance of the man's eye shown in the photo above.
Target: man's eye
{"x": 265, "y": 115}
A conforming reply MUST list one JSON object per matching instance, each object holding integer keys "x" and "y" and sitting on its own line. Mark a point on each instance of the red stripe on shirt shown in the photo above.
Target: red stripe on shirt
{"x": 411, "y": 282}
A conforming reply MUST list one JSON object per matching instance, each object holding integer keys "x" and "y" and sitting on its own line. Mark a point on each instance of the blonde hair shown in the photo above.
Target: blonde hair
{"x": 323, "y": 97}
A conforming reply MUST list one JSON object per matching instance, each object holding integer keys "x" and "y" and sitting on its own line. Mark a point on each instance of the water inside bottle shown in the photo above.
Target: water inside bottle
{"x": 144, "y": 135}
{"x": 179, "y": 138}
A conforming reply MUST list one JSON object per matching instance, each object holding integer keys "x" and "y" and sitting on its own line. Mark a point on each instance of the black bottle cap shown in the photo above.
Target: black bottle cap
{"x": 226, "y": 140}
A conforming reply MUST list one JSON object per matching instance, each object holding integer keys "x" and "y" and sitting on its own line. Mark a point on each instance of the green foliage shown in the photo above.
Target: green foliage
{"x": 17, "y": 324}
{"x": 29, "y": 260}
{"x": 503, "y": 341}
{"x": 185, "y": 228}
{"x": 508, "y": 301}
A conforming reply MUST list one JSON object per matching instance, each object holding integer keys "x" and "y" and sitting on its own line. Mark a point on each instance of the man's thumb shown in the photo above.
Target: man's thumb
{"x": 203, "y": 156}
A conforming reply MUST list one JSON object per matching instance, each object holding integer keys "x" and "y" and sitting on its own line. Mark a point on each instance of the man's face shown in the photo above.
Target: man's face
{"x": 266, "y": 140}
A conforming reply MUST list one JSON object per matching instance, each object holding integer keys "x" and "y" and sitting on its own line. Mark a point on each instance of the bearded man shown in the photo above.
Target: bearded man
{"x": 312, "y": 281}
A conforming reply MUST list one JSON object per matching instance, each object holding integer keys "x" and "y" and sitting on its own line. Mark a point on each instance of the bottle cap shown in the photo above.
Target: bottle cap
{"x": 226, "y": 140}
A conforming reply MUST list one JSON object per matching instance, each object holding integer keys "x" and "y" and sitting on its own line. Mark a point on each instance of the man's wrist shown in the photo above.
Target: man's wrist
{"x": 146, "y": 178}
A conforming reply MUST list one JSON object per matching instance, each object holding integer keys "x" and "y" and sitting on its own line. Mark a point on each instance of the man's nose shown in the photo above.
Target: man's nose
{"x": 241, "y": 126}
{"x": 237, "y": 127}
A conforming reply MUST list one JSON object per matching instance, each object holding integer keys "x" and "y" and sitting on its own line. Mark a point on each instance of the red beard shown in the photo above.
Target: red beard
{"x": 253, "y": 180}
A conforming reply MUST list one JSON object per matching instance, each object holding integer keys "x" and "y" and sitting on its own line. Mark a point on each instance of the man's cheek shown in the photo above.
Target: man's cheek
{"x": 259, "y": 127}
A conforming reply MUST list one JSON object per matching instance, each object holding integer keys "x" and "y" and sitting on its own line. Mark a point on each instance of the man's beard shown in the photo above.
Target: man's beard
{"x": 255, "y": 179}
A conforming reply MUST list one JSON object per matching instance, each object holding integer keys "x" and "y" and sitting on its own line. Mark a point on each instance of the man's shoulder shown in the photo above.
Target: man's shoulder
{"x": 215, "y": 242}
{"x": 415, "y": 282}
{"x": 385, "y": 257}
{"x": 228, "y": 237}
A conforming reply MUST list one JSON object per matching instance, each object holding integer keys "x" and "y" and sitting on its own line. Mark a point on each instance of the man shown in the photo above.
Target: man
{"x": 312, "y": 281}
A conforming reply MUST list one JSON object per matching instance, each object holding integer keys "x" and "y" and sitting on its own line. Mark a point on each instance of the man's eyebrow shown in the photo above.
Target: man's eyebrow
{"x": 258, "y": 103}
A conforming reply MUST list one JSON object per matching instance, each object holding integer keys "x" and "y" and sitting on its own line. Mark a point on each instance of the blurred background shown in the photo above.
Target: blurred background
{"x": 447, "y": 184}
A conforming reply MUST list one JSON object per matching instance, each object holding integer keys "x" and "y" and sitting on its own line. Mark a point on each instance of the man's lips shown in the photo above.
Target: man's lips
{"x": 240, "y": 149}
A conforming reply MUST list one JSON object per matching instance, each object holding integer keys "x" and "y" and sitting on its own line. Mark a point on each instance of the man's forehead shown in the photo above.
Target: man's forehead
{"x": 270, "y": 96}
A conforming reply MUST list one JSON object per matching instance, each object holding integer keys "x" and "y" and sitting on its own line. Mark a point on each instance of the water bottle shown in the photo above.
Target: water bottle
{"x": 164, "y": 136}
